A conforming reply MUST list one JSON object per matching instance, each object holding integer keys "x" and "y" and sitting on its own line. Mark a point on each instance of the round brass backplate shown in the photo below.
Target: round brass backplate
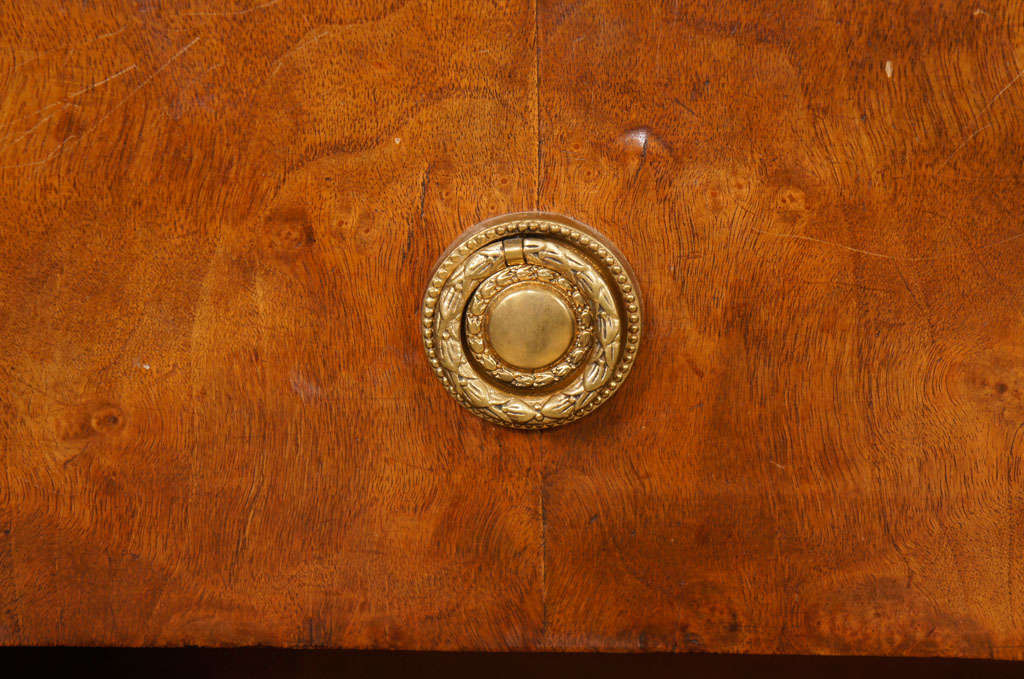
{"x": 531, "y": 320}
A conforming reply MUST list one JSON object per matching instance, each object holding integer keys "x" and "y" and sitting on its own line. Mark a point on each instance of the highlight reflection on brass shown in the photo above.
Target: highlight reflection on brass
{"x": 531, "y": 320}
{"x": 529, "y": 326}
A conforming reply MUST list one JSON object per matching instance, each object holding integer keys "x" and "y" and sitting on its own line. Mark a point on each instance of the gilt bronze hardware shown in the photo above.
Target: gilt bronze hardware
{"x": 531, "y": 320}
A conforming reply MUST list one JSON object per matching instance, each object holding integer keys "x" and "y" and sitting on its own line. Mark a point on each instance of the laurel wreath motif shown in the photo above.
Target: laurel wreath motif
{"x": 480, "y": 349}
{"x": 565, "y": 253}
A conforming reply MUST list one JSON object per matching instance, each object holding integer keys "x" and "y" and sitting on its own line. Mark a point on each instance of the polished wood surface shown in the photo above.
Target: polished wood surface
{"x": 217, "y": 424}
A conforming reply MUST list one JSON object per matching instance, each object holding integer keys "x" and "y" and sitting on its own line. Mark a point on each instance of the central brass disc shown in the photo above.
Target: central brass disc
{"x": 530, "y": 326}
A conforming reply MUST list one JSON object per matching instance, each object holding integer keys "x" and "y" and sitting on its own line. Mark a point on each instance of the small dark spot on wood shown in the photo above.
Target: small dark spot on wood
{"x": 89, "y": 419}
{"x": 287, "y": 230}
{"x": 107, "y": 419}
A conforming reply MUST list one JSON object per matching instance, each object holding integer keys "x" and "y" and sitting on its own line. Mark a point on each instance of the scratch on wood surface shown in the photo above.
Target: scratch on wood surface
{"x": 847, "y": 284}
{"x": 30, "y": 130}
{"x": 1002, "y": 91}
{"x": 96, "y": 84}
{"x": 882, "y": 255}
{"x": 66, "y": 104}
{"x": 302, "y": 43}
{"x": 40, "y": 54}
{"x": 106, "y": 115}
{"x": 45, "y": 160}
{"x": 152, "y": 75}
{"x": 111, "y": 34}
{"x": 981, "y": 128}
{"x": 967, "y": 139}
{"x": 44, "y": 109}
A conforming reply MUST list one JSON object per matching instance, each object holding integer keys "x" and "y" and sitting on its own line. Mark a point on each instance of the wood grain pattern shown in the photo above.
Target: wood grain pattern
{"x": 217, "y": 425}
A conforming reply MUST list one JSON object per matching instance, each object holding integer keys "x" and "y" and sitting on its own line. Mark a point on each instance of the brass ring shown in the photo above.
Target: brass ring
{"x": 548, "y": 250}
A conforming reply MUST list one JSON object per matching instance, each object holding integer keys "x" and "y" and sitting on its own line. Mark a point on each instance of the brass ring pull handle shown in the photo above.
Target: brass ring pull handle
{"x": 531, "y": 320}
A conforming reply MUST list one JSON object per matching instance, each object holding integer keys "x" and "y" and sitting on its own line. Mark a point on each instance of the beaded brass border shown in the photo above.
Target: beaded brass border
{"x": 571, "y": 249}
